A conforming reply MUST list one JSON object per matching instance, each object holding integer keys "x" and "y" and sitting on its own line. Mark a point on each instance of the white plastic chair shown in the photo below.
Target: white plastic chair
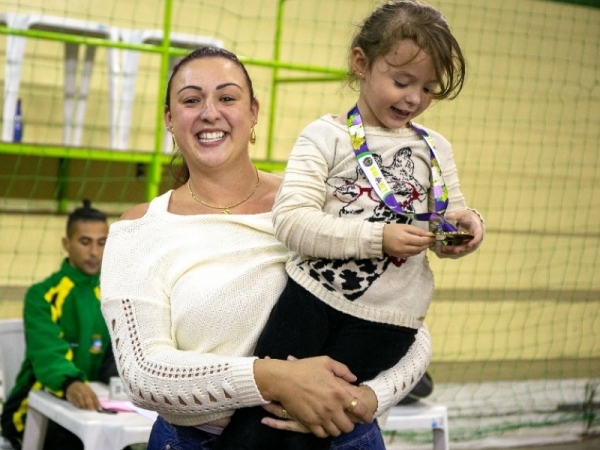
{"x": 75, "y": 101}
{"x": 421, "y": 415}
{"x": 12, "y": 353}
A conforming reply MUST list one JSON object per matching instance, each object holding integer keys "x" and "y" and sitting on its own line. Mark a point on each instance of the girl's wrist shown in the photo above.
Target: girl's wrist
{"x": 369, "y": 397}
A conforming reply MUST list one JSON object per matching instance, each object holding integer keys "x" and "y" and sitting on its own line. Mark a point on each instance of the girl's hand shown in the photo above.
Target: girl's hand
{"x": 287, "y": 422}
{"x": 314, "y": 391}
{"x": 465, "y": 220}
{"x": 402, "y": 241}
{"x": 366, "y": 396}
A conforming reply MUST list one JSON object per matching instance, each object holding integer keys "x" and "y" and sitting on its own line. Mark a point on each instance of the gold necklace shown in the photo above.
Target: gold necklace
{"x": 226, "y": 209}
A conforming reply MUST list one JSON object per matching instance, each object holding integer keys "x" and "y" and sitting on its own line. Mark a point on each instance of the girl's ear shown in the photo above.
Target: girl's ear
{"x": 359, "y": 62}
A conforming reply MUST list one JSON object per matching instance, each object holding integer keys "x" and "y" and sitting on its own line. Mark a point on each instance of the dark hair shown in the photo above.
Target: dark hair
{"x": 179, "y": 168}
{"x": 84, "y": 213}
{"x": 207, "y": 52}
{"x": 421, "y": 23}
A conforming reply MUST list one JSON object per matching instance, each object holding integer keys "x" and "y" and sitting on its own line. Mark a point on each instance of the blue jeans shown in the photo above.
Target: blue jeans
{"x": 165, "y": 436}
{"x": 365, "y": 436}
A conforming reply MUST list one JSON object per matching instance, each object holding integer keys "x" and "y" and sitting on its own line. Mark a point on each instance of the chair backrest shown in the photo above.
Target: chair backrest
{"x": 12, "y": 352}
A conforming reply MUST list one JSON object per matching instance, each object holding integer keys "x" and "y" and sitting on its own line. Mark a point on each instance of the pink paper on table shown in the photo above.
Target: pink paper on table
{"x": 117, "y": 405}
{"x": 126, "y": 406}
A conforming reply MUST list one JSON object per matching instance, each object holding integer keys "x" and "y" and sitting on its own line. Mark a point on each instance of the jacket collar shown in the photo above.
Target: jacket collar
{"x": 77, "y": 275}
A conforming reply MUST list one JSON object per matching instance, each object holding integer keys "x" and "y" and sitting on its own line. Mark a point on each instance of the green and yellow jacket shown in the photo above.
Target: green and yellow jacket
{"x": 66, "y": 340}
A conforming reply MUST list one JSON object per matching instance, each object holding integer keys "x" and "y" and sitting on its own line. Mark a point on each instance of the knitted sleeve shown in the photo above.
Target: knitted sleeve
{"x": 394, "y": 384}
{"x": 299, "y": 218}
{"x": 186, "y": 387}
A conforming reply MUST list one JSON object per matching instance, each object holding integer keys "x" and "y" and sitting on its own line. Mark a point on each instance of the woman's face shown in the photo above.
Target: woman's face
{"x": 211, "y": 111}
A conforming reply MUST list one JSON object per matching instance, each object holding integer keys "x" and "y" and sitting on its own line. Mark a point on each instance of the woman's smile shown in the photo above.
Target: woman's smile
{"x": 208, "y": 137}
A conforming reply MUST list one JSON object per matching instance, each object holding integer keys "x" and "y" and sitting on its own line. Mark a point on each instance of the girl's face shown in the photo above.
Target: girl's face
{"x": 398, "y": 86}
{"x": 211, "y": 112}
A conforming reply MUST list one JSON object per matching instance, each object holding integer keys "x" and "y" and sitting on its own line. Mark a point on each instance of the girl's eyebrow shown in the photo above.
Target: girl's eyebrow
{"x": 220, "y": 86}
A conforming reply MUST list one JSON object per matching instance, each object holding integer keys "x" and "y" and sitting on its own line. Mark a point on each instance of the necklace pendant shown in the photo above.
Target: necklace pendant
{"x": 227, "y": 209}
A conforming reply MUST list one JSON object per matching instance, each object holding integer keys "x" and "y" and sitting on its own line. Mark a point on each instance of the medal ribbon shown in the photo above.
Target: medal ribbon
{"x": 373, "y": 173}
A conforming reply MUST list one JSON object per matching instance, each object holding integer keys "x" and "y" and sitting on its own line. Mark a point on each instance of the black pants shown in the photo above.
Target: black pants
{"x": 301, "y": 325}
{"x": 59, "y": 437}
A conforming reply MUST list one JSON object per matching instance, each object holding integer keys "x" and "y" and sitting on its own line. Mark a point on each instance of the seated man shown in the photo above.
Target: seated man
{"x": 67, "y": 340}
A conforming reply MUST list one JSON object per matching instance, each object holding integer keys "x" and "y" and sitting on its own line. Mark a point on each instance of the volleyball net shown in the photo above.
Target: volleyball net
{"x": 83, "y": 101}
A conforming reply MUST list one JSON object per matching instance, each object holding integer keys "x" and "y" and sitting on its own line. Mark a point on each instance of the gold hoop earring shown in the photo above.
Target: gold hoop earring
{"x": 252, "y": 136}
{"x": 175, "y": 147}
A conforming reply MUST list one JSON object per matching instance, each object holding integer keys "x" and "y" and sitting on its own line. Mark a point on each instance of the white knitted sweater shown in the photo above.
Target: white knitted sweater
{"x": 185, "y": 298}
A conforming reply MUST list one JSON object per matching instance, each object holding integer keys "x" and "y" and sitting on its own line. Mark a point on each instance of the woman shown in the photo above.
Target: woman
{"x": 189, "y": 280}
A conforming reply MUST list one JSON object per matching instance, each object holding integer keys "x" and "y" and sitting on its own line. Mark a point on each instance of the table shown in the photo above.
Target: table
{"x": 98, "y": 431}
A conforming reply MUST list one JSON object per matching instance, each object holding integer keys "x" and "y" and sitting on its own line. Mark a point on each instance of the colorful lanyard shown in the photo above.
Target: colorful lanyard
{"x": 373, "y": 173}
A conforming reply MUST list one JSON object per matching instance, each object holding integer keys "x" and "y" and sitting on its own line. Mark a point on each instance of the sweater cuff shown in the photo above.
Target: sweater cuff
{"x": 394, "y": 384}
{"x": 246, "y": 389}
{"x": 480, "y": 218}
{"x": 376, "y": 241}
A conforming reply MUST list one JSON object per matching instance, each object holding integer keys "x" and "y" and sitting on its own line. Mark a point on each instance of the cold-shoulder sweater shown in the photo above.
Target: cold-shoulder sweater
{"x": 185, "y": 298}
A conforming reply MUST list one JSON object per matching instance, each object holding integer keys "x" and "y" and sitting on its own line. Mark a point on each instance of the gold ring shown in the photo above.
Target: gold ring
{"x": 353, "y": 404}
{"x": 284, "y": 414}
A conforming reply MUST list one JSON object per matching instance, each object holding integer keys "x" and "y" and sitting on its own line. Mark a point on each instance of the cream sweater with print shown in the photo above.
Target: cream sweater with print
{"x": 327, "y": 212}
{"x": 185, "y": 299}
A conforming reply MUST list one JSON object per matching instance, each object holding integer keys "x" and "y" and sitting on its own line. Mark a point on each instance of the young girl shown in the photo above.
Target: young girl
{"x": 364, "y": 196}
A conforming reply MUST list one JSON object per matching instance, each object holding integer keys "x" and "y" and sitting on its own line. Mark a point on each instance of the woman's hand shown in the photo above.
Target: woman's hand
{"x": 364, "y": 394}
{"x": 402, "y": 241}
{"x": 315, "y": 392}
{"x": 465, "y": 220}
{"x": 361, "y": 413}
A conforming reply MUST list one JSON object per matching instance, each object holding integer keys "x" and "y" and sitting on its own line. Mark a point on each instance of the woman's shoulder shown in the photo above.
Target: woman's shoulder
{"x": 270, "y": 183}
{"x": 139, "y": 211}
{"x": 271, "y": 180}
{"x": 135, "y": 212}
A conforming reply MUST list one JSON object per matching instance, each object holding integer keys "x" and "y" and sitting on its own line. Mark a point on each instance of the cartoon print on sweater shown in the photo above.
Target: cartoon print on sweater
{"x": 355, "y": 276}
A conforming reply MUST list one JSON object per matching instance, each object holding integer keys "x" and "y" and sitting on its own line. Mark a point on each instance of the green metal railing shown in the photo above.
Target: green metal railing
{"x": 157, "y": 159}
